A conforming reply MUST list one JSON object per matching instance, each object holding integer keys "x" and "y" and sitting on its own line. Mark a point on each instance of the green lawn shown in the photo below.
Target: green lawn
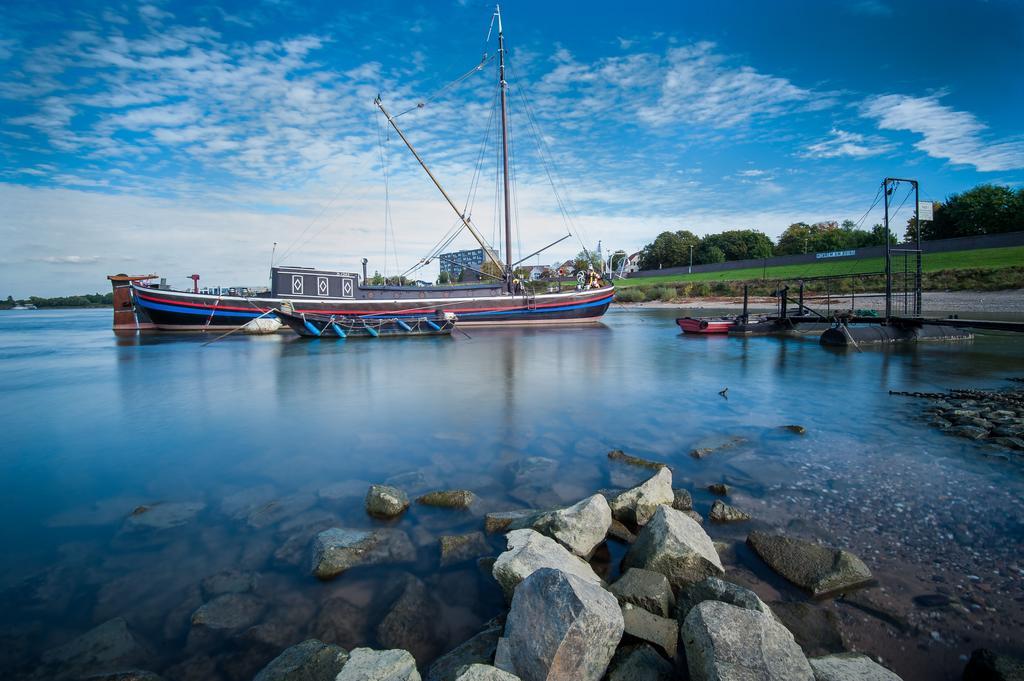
{"x": 982, "y": 258}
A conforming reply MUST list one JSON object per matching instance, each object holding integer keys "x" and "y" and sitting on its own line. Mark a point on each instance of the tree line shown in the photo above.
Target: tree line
{"x": 985, "y": 209}
{"x": 87, "y": 300}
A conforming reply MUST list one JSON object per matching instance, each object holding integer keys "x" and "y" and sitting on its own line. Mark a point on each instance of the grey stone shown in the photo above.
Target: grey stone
{"x": 722, "y": 512}
{"x": 726, "y": 643}
{"x": 503, "y": 656}
{"x": 311, "y": 660}
{"x": 366, "y": 664}
{"x": 502, "y": 520}
{"x": 579, "y": 528}
{"x": 819, "y": 569}
{"x": 849, "y": 667}
{"x": 483, "y": 672}
{"x": 228, "y": 582}
{"x": 719, "y": 488}
{"x": 647, "y": 626}
{"x": 646, "y": 589}
{"x": 412, "y": 623}
{"x": 110, "y": 644}
{"x": 677, "y": 547}
{"x": 336, "y": 550}
{"x": 640, "y": 663}
{"x": 163, "y": 516}
{"x": 681, "y": 500}
{"x": 384, "y": 501}
{"x": 458, "y": 548}
{"x": 561, "y": 627}
{"x": 815, "y": 629}
{"x": 479, "y": 649}
{"x": 619, "y": 531}
{"x": 529, "y": 551}
{"x": 637, "y": 505}
{"x": 694, "y": 516}
{"x": 229, "y": 612}
{"x": 715, "y": 589}
{"x": 453, "y": 498}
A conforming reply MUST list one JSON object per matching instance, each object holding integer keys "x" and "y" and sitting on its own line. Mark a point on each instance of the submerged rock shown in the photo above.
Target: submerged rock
{"x": 163, "y": 516}
{"x": 647, "y": 626}
{"x": 619, "y": 455}
{"x": 850, "y": 667}
{"x": 579, "y": 528}
{"x": 228, "y": 582}
{"x": 561, "y": 627}
{"x": 819, "y": 569}
{"x": 453, "y": 498}
{"x": 412, "y": 623}
{"x": 457, "y": 548}
{"x": 336, "y": 550}
{"x": 715, "y": 589}
{"x": 677, "y": 547}
{"x": 636, "y": 506}
{"x": 229, "y": 612}
{"x": 104, "y": 648}
{"x": 726, "y": 643}
{"x": 529, "y": 551}
{"x": 695, "y": 517}
{"x": 479, "y": 649}
{"x": 483, "y": 672}
{"x": 645, "y": 589}
{"x": 384, "y": 501}
{"x": 793, "y": 428}
{"x": 366, "y": 664}
{"x": 815, "y": 629}
{"x": 639, "y": 663}
{"x": 719, "y": 488}
{"x": 533, "y": 470}
{"x": 985, "y": 665}
{"x": 722, "y": 512}
{"x": 311, "y": 660}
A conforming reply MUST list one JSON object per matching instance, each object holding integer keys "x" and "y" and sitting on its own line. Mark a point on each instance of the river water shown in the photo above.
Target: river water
{"x": 249, "y": 446}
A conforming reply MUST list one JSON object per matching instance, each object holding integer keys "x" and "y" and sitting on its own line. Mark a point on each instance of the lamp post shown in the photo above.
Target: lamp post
{"x": 689, "y": 270}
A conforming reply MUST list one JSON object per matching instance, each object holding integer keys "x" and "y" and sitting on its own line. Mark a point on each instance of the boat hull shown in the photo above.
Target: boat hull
{"x": 180, "y": 311}
{"x": 699, "y": 325}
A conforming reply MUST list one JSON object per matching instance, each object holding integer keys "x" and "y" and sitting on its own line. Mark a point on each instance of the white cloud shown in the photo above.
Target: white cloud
{"x": 945, "y": 132}
{"x": 852, "y": 144}
{"x": 69, "y": 259}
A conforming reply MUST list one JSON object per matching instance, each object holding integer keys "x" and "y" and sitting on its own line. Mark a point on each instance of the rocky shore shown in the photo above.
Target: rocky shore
{"x": 625, "y": 584}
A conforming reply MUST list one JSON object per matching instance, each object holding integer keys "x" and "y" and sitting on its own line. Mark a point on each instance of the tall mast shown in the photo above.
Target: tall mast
{"x": 504, "y": 148}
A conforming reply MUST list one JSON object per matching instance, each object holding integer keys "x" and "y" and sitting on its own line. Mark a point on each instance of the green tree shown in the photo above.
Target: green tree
{"x": 377, "y": 279}
{"x": 669, "y": 249}
{"x": 985, "y": 209}
{"x": 585, "y": 258}
{"x": 796, "y": 239}
{"x": 741, "y": 244}
{"x": 707, "y": 254}
{"x": 444, "y": 278}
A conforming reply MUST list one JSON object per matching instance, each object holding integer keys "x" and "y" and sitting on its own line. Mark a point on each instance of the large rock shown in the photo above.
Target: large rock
{"x": 502, "y": 520}
{"x": 850, "y": 667}
{"x": 722, "y": 512}
{"x": 646, "y": 589}
{"x": 228, "y": 612}
{"x": 651, "y": 628}
{"x": 479, "y": 649}
{"x": 561, "y": 627}
{"x": 366, "y": 664}
{"x": 819, "y": 569}
{"x": 412, "y": 623}
{"x": 529, "y": 551}
{"x": 681, "y": 500}
{"x": 336, "y": 550}
{"x": 726, "y": 643}
{"x": 715, "y": 589}
{"x": 677, "y": 547}
{"x": 384, "y": 501}
{"x": 637, "y": 505}
{"x": 579, "y": 528}
{"x": 640, "y": 663}
{"x": 483, "y": 672}
{"x": 104, "y": 648}
{"x": 311, "y": 660}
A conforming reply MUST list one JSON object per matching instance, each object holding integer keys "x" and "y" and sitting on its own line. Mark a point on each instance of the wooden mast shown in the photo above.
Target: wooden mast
{"x": 504, "y": 150}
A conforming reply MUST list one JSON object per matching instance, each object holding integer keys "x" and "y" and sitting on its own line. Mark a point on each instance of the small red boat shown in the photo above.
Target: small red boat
{"x": 705, "y": 324}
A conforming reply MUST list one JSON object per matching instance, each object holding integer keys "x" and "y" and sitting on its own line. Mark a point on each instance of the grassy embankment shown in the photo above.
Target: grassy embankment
{"x": 986, "y": 269}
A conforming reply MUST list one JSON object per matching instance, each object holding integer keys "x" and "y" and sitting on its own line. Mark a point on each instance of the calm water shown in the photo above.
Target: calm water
{"x": 275, "y": 438}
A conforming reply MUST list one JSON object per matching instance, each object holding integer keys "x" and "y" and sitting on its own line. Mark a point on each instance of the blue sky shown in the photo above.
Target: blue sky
{"x": 180, "y": 137}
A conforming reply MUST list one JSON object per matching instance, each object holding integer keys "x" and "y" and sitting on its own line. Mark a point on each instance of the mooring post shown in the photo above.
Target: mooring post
{"x": 801, "y": 310}
{"x": 746, "y": 290}
{"x": 785, "y": 301}
{"x": 888, "y": 256}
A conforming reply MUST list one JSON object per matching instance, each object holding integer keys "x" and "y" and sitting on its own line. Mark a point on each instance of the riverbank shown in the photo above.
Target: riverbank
{"x": 1010, "y": 302}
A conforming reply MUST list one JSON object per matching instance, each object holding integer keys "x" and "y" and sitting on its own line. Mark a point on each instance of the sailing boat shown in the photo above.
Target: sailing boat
{"x": 503, "y": 300}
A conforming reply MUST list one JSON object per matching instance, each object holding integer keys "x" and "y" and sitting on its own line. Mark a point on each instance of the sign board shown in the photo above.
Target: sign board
{"x": 924, "y": 210}
{"x": 835, "y": 254}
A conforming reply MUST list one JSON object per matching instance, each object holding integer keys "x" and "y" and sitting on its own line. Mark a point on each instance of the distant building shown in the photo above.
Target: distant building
{"x": 455, "y": 262}
{"x": 632, "y": 263}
